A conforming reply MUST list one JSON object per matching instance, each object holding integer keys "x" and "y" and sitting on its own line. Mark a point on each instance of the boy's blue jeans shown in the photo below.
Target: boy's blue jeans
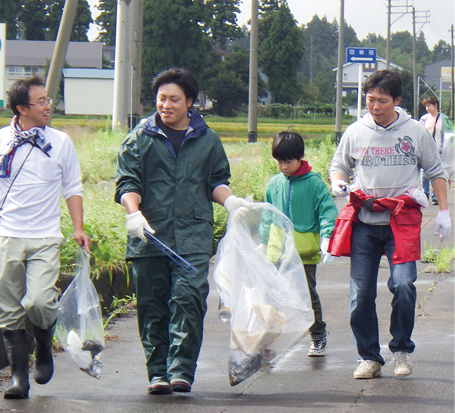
{"x": 368, "y": 243}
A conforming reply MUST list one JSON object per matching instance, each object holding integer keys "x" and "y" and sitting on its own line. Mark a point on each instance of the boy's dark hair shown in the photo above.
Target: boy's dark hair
{"x": 18, "y": 94}
{"x": 287, "y": 146}
{"x": 181, "y": 77}
{"x": 431, "y": 100}
{"x": 387, "y": 81}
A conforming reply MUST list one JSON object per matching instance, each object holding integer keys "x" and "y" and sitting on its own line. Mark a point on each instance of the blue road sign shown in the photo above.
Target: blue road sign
{"x": 360, "y": 55}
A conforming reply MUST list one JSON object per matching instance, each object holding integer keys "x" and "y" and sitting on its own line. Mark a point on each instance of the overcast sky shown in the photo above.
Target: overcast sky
{"x": 370, "y": 16}
{"x": 434, "y": 18}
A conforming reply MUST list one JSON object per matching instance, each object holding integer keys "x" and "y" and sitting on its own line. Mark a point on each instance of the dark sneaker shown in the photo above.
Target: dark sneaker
{"x": 180, "y": 386}
{"x": 318, "y": 345}
{"x": 403, "y": 363}
{"x": 159, "y": 385}
{"x": 367, "y": 369}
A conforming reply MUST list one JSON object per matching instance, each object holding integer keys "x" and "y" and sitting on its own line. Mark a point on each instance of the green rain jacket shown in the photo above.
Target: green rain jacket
{"x": 176, "y": 191}
{"x": 309, "y": 205}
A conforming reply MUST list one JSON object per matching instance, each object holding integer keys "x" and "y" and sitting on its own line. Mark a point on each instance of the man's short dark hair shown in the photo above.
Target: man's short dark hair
{"x": 18, "y": 94}
{"x": 387, "y": 81}
{"x": 431, "y": 100}
{"x": 181, "y": 77}
{"x": 287, "y": 146}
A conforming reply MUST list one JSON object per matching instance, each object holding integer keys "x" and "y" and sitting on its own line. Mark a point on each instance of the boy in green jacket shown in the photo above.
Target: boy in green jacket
{"x": 305, "y": 199}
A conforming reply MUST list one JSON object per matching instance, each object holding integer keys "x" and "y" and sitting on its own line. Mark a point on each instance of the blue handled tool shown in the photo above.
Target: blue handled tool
{"x": 181, "y": 262}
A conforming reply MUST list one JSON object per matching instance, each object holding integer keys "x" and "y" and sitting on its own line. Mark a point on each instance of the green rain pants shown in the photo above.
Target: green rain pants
{"x": 171, "y": 305}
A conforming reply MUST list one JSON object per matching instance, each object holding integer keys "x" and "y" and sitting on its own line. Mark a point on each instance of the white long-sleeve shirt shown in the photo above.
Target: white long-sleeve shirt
{"x": 32, "y": 205}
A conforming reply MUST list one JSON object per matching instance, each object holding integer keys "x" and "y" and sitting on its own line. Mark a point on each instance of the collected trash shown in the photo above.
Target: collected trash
{"x": 448, "y": 154}
{"x": 261, "y": 283}
{"x": 79, "y": 326}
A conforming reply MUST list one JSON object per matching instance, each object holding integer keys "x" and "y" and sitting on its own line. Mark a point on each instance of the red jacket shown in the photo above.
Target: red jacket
{"x": 405, "y": 221}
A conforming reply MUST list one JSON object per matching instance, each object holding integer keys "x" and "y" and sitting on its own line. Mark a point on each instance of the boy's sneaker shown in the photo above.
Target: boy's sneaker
{"x": 318, "y": 345}
{"x": 180, "y": 385}
{"x": 403, "y": 363}
{"x": 159, "y": 385}
{"x": 367, "y": 369}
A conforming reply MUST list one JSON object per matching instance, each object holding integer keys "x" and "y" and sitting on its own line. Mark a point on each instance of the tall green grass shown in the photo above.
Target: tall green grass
{"x": 104, "y": 221}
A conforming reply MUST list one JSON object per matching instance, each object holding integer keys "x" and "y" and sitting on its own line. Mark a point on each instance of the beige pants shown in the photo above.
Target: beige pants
{"x": 29, "y": 269}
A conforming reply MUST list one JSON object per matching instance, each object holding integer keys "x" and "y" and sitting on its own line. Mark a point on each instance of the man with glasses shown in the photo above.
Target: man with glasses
{"x": 37, "y": 163}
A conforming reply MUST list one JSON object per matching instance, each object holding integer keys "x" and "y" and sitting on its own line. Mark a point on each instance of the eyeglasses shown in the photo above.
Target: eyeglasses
{"x": 41, "y": 103}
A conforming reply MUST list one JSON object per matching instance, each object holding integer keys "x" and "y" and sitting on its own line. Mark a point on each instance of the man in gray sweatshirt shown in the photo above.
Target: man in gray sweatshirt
{"x": 383, "y": 153}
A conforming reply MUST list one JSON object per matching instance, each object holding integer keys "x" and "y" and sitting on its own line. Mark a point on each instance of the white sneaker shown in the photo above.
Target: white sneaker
{"x": 403, "y": 363}
{"x": 367, "y": 369}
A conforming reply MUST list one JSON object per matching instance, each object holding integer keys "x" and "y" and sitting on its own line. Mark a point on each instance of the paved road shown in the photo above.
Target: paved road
{"x": 295, "y": 382}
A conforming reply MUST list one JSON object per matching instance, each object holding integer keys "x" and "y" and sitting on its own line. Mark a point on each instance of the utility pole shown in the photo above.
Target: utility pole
{"x": 402, "y": 7}
{"x": 414, "y": 65}
{"x": 423, "y": 15}
{"x": 135, "y": 62}
{"x": 61, "y": 46}
{"x": 121, "y": 69}
{"x": 253, "y": 81}
{"x": 387, "y": 53}
{"x": 339, "y": 96}
{"x": 452, "y": 91}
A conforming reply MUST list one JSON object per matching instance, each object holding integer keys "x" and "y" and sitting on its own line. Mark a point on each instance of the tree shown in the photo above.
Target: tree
{"x": 82, "y": 20}
{"x": 233, "y": 68}
{"x": 223, "y": 21}
{"x": 32, "y": 14}
{"x": 280, "y": 55}
{"x": 8, "y": 15}
{"x": 321, "y": 43}
{"x": 107, "y": 20}
{"x": 440, "y": 51}
{"x": 172, "y": 37}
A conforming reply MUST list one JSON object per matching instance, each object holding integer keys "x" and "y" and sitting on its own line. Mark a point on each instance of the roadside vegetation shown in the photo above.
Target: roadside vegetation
{"x": 251, "y": 167}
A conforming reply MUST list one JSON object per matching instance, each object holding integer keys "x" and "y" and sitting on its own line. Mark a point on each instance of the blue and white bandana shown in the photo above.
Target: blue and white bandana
{"x": 35, "y": 136}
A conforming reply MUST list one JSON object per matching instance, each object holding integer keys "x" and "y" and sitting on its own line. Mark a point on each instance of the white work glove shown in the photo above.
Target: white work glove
{"x": 339, "y": 187}
{"x": 442, "y": 224}
{"x": 237, "y": 207}
{"x": 136, "y": 223}
{"x": 417, "y": 195}
{"x": 326, "y": 256}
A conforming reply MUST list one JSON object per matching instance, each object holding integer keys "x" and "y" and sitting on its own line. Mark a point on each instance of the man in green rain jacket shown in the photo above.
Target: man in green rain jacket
{"x": 170, "y": 169}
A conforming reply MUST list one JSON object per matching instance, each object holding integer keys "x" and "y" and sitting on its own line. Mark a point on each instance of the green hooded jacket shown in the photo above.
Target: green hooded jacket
{"x": 175, "y": 191}
{"x": 308, "y": 203}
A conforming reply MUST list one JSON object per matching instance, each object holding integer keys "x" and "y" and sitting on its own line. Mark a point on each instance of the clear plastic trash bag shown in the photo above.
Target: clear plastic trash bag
{"x": 79, "y": 326}
{"x": 448, "y": 154}
{"x": 261, "y": 282}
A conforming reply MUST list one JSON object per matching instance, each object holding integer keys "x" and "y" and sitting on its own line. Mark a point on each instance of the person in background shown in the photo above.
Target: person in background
{"x": 437, "y": 124}
{"x": 303, "y": 197}
{"x": 37, "y": 164}
{"x": 384, "y": 152}
{"x": 170, "y": 169}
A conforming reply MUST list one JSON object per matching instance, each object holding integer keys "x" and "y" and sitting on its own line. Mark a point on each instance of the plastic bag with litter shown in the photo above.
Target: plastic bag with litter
{"x": 448, "y": 154}
{"x": 79, "y": 326}
{"x": 261, "y": 282}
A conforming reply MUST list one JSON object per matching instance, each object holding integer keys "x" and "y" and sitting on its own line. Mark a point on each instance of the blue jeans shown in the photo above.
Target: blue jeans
{"x": 368, "y": 244}
{"x": 426, "y": 187}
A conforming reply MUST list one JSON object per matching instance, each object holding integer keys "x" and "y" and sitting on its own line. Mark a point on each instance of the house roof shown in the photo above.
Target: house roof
{"x": 88, "y": 73}
{"x": 39, "y": 53}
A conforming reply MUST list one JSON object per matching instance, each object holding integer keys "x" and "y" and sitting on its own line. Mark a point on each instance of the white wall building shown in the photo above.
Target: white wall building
{"x": 88, "y": 91}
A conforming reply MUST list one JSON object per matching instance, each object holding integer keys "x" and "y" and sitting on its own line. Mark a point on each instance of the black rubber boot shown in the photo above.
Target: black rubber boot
{"x": 44, "y": 362}
{"x": 16, "y": 350}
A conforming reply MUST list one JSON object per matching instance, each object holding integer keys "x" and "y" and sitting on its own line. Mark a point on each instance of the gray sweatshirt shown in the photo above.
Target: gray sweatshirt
{"x": 386, "y": 162}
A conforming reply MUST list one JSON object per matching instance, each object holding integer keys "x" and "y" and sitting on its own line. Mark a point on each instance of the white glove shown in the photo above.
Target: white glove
{"x": 237, "y": 207}
{"x": 442, "y": 224}
{"x": 417, "y": 195}
{"x": 326, "y": 256}
{"x": 339, "y": 187}
{"x": 136, "y": 223}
